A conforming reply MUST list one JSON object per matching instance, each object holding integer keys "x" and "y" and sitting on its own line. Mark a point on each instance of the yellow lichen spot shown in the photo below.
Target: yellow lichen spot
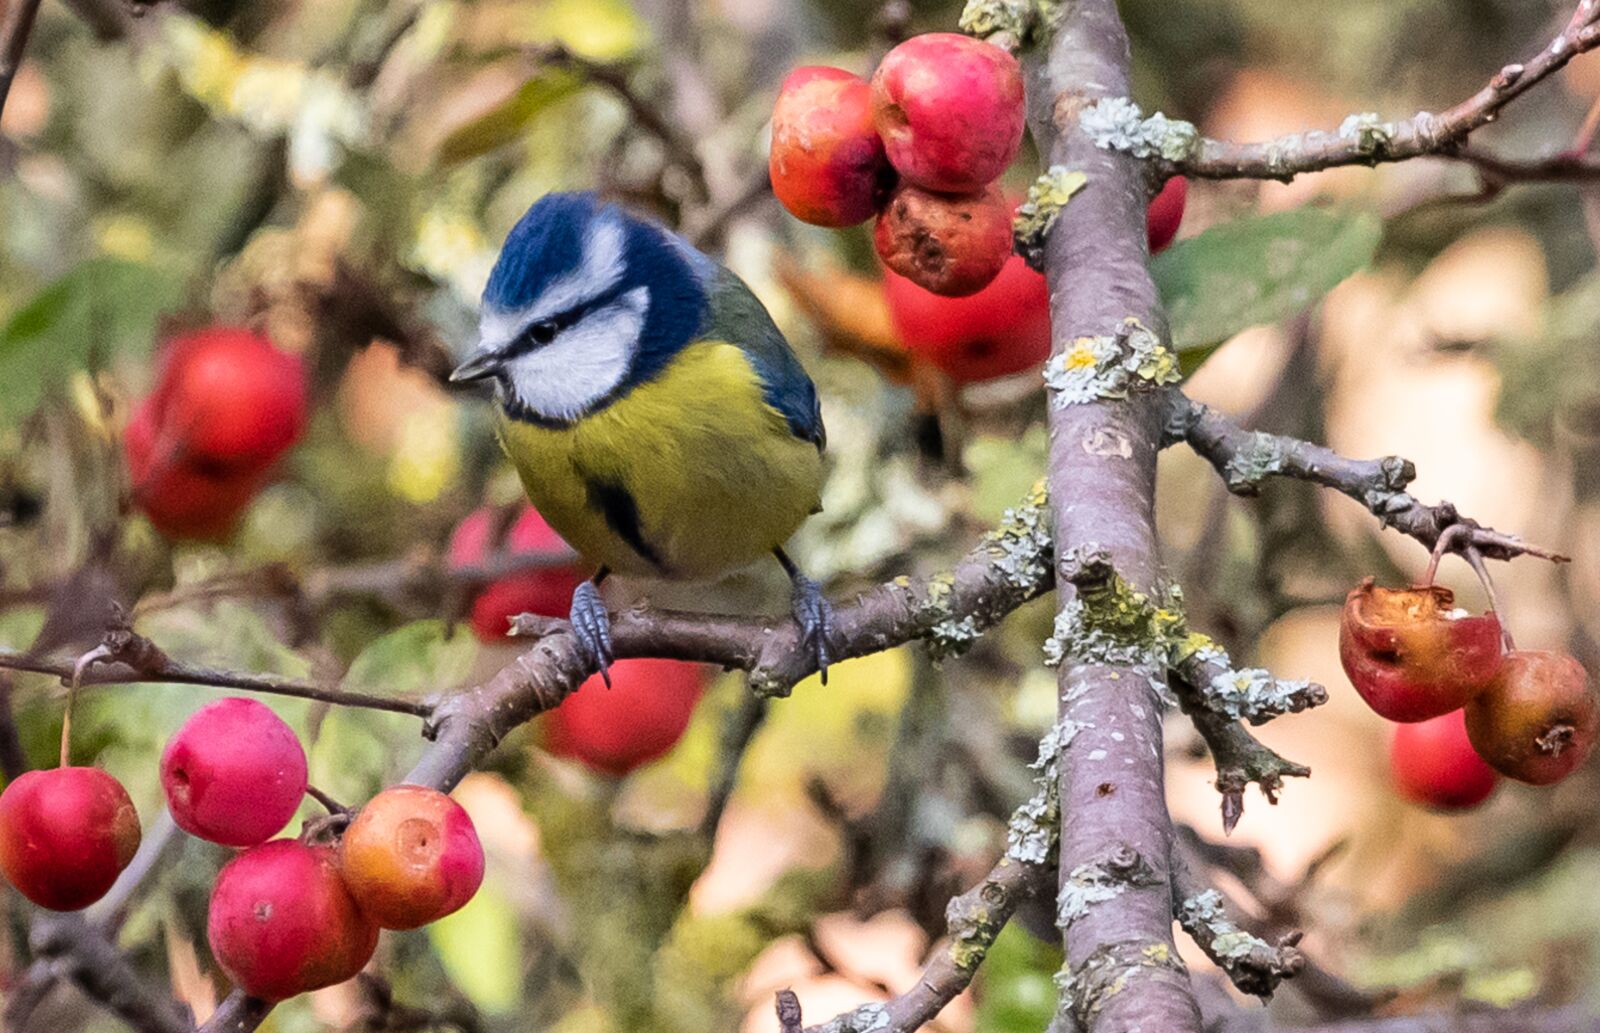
{"x": 1082, "y": 354}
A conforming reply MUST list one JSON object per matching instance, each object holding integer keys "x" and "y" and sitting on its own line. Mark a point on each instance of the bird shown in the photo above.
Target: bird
{"x": 657, "y": 416}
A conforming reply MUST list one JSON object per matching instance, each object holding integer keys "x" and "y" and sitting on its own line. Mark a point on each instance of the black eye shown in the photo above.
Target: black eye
{"x": 543, "y": 332}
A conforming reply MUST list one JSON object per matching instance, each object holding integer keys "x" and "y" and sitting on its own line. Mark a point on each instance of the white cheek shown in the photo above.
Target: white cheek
{"x": 564, "y": 379}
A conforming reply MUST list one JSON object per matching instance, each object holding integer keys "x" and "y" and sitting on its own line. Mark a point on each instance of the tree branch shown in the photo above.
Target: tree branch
{"x": 976, "y": 918}
{"x": 1115, "y": 911}
{"x": 134, "y": 658}
{"x": 1251, "y": 963}
{"x": 1246, "y": 459}
{"x": 1366, "y": 140}
{"x": 1009, "y": 567}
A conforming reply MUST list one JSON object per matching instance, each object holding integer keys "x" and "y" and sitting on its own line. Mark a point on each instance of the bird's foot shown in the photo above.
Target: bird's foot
{"x": 591, "y": 623}
{"x": 814, "y": 614}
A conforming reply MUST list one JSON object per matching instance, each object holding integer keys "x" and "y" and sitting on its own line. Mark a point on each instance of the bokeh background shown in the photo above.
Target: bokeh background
{"x": 339, "y": 173}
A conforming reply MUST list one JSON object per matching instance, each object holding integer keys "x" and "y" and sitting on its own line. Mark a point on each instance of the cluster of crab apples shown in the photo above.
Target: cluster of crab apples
{"x": 922, "y": 148}
{"x": 226, "y": 406}
{"x": 287, "y": 915}
{"x": 1471, "y": 707}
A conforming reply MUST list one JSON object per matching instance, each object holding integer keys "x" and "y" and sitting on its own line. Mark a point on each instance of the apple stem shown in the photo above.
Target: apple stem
{"x": 86, "y": 661}
{"x": 1481, "y": 569}
{"x": 1445, "y": 543}
{"x": 333, "y": 806}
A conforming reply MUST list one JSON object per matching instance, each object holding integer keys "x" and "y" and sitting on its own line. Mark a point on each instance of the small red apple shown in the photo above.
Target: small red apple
{"x": 1538, "y": 719}
{"x": 827, "y": 162}
{"x": 65, "y": 835}
{"x": 233, "y": 399}
{"x": 547, "y": 592}
{"x": 1412, "y": 655}
{"x": 282, "y": 922}
{"x": 234, "y": 774}
{"x": 180, "y": 500}
{"x": 1002, "y": 329}
{"x": 1165, "y": 213}
{"x": 953, "y": 245}
{"x": 1433, "y": 763}
{"x": 411, "y": 857}
{"x": 638, "y": 719}
{"x": 950, "y": 111}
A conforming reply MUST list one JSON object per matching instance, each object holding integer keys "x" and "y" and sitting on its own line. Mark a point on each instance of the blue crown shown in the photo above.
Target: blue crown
{"x": 548, "y": 243}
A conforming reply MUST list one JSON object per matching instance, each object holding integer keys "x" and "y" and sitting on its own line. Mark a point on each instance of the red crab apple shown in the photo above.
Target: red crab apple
{"x": 950, "y": 111}
{"x": 65, "y": 835}
{"x": 1002, "y": 329}
{"x": 1411, "y": 654}
{"x": 282, "y": 922}
{"x": 234, "y": 774}
{"x": 181, "y": 500}
{"x": 233, "y": 399}
{"x": 411, "y": 857}
{"x": 1537, "y": 720}
{"x": 639, "y": 718}
{"x": 953, "y": 245}
{"x": 1165, "y": 213}
{"x": 827, "y": 161}
{"x": 547, "y": 592}
{"x": 1433, "y": 763}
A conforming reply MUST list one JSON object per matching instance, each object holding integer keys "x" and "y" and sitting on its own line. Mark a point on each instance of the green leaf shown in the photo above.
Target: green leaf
{"x": 1017, "y": 994}
{"x": 421, "y": 657}
{"x": 358, "y": 751}
{"x": 480, "y": 947}
{"x": 1258, "y": 270}
{"x": 105, "y": 305}
{"x": 506, "y": 121}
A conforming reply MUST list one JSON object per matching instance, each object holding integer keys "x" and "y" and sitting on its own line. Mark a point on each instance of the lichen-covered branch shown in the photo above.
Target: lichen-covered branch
{"x": 1246, "y": 459}
{"x": 1241, "y": 758}
{"x": 1361, "y": 139}
{"x": 1251, "y": 963}
{"x": 1108, "y": 361}
{"x": 976, "y": 917}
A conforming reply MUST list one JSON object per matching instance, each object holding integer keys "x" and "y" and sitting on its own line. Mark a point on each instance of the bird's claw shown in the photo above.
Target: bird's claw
{"x": 591, "y": 624}
{"x": 814, "y": 614}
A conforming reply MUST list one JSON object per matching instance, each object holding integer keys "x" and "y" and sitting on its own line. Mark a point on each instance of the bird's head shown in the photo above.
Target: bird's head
{"x": 584, "y": 302}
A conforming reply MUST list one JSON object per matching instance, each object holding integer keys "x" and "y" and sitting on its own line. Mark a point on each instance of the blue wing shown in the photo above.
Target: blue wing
{"x": 737, "y": 316}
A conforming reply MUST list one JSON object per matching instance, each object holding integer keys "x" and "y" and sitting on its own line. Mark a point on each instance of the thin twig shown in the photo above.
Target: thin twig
{"x": 1365, "y": 140}
{"x": 178, "y": 672}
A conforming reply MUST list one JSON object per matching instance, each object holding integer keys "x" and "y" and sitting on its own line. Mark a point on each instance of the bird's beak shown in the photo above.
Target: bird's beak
{"x": 480, "y": 364}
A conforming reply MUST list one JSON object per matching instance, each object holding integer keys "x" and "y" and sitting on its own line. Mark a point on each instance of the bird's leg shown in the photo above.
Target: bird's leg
{"x": 811, "y": 611}
{"x": 592, "y": 624}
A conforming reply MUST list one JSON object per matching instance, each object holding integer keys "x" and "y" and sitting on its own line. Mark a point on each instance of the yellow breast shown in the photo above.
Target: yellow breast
{"x": 690, "y": 475}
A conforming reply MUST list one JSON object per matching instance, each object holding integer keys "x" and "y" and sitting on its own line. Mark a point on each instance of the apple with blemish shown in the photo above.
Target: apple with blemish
{"x": 410, "y": 857}
{"x": 952, "y": 245}
{"x": 1412, "y": 655}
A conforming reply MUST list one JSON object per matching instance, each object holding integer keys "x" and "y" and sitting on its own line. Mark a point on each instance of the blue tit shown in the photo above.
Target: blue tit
{"x": 656, "y": 414}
